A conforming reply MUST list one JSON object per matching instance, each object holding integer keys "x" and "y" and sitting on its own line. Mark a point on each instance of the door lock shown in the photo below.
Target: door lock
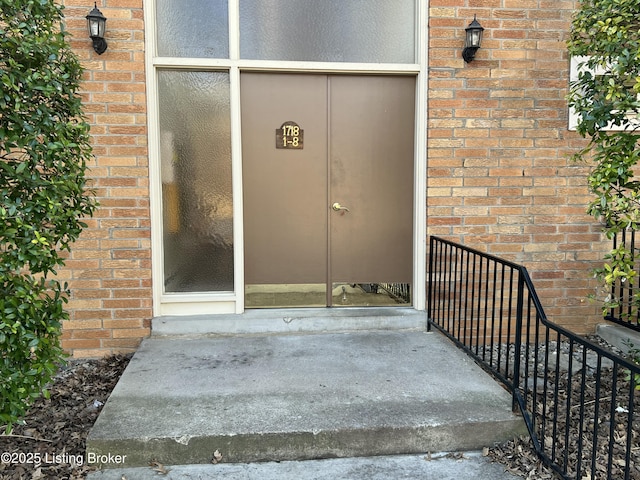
{"x": 337, "y": 207}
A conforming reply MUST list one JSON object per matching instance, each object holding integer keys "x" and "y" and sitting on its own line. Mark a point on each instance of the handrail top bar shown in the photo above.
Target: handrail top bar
{"x": 478, "y": 252}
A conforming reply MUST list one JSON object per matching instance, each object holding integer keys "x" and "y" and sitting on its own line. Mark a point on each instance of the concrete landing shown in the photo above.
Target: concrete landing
{"x": 619, "y": 336}
{"x": 441, "y": 466}
{"x": 297, "y": 397}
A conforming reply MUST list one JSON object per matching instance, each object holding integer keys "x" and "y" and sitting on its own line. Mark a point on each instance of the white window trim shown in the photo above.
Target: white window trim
{"x": 574, "y": 118}
{"x": 233, "y": 302}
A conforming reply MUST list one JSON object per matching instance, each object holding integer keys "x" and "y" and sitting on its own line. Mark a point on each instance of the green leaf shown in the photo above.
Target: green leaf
{"x": 46, "y": 148}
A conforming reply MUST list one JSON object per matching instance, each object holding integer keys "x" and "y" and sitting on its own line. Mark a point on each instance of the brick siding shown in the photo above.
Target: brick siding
{"x": 500, "y": 177}
{"x": 109, "y": 269}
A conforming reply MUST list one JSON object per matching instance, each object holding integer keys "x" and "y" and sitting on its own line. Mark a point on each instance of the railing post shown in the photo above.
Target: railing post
{"x": 518, "y": 341}
{"x": 430, "y": 284}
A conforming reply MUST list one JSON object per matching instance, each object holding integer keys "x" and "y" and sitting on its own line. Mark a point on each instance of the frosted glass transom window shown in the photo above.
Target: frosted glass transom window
{"x": 363, "y": 31}
{"x": 192, "y": 28}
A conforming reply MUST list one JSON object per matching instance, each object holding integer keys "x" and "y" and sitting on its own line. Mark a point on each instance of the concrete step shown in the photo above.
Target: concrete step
{"x": 619, "y": 336}
{"x": 292, "y": 320}
{"x": 296, "y": 397}
{"x": 441, "y": 466}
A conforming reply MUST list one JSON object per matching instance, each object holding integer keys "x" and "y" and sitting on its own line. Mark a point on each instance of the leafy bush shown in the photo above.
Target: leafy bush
{"x": 44, "y": 147}
{"x": 606, "y": 97}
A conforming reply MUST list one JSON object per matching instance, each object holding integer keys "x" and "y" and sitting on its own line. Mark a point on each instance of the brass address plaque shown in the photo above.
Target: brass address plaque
{"x": 290, "y": 135}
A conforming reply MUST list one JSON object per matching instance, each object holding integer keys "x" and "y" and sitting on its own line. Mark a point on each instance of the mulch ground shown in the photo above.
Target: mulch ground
{"x": 51, "y": 443}
{"x": 520, "y": 457}
{"x": 586, "y": 405}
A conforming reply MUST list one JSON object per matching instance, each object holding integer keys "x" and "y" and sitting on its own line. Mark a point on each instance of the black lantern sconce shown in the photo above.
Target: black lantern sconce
{"x": 96, "y": 22}
{"x": 473, "y": 40}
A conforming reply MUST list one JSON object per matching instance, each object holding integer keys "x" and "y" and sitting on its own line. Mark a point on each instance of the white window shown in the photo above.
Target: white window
{"x": 577, "y": 66}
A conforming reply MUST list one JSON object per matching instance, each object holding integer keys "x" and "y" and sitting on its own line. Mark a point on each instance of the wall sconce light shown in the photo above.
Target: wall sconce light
{"x": 473, "y": 40}
{"x": 97, "y": 23}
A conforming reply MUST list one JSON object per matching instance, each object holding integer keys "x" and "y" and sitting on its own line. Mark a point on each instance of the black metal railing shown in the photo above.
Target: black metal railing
{"x": 577, "y": 398}
{"x": 625, "y": 294}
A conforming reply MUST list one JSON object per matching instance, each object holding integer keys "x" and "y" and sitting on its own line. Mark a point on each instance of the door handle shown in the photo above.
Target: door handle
{"x": 337, "y": 207}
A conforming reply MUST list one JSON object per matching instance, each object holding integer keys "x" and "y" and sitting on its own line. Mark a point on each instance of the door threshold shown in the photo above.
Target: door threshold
{"x": 292, "y": 320}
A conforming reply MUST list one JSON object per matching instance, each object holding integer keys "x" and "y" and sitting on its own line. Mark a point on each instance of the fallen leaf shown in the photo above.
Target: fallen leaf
{"x": 217, "y": 457}
{"x": 158, "y": 467}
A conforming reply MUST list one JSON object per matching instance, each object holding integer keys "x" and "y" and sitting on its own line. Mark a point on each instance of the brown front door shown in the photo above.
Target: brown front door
{"x": 328, "y": 189}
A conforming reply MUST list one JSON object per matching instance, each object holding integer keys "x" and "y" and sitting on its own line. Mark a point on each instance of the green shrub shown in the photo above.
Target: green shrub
{"x": 44, "y": 147}
{"x": 606, "y": 94}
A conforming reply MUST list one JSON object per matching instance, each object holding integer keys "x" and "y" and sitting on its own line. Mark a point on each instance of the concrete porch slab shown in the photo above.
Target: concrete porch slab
{"x": 297, "y": 397}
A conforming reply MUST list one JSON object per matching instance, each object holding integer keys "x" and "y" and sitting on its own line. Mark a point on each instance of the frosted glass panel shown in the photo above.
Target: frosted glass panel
{"x": 195, "y": 156}
{"x": 192, "y": 28}
{"x": 332, "y": 31}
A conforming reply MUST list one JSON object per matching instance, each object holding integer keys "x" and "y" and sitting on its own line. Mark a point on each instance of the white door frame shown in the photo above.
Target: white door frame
{"x": 233, "y": 302}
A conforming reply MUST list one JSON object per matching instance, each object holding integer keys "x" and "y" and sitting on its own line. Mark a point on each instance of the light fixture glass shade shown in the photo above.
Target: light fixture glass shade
{"x": 474, "y": 34}
{"x": 96, "y": 23}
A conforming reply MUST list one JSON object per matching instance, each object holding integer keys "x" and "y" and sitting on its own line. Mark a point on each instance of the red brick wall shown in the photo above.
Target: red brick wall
{"x": 109, "y": 269}
{"x": 499, "y": 174}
